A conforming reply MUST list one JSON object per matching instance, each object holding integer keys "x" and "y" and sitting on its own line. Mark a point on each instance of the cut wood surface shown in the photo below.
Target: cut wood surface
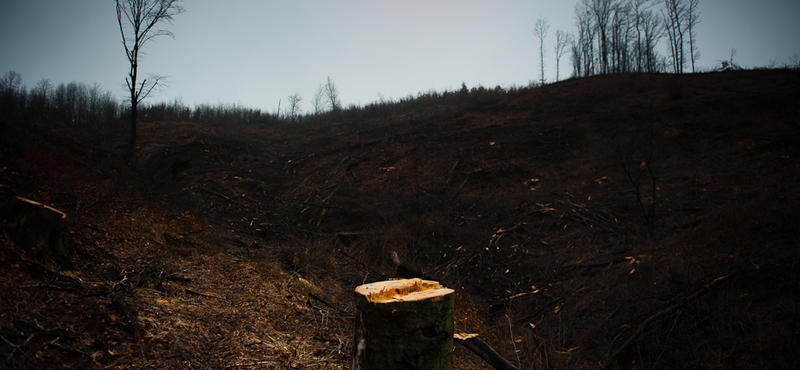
{"x": 403, "y": 324}
{"x": 402, "y": 290}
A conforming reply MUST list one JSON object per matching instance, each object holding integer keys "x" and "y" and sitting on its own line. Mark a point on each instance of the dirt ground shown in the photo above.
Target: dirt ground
{"x": 623, "y": 221}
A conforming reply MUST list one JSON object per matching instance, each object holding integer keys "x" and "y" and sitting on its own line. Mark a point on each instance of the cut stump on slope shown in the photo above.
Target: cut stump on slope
{"x": 39, "y": 230}
{"x": 403, "y": 324}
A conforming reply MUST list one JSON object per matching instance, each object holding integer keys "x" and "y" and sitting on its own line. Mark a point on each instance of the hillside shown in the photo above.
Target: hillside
{"x": 632, "y": 221}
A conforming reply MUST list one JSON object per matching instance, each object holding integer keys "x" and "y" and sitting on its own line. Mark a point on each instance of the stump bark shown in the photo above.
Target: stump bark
{"x": 40, "y": 230}
{"x": 403, "y": 324}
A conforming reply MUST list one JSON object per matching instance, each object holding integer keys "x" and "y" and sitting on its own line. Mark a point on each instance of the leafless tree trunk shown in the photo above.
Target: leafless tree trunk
{"x": 652, "y": 30}
{"x": 540, "y": 31}
{"x": 577, "y": 58}
{"x": 319, "y": 100}
{"x": 638, "y": 9}
{"x": 332, "y": 95}
{"x": 585, "y": 39}
{"x": 675, "y": 22}
{"x": 587, "y": 31}
{"x": 620, "y": 37}
{"x": 41, "y": 96}
{"x": 294, "y": 106}
{"x": 138, "y": 20}
{"x": 692, "y": 20}
{"x": 601, "y": 9}
{"x": 563, "y": 39}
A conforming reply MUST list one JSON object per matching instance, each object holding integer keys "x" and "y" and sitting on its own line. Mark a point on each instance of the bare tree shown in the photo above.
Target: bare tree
{"x": 73, "y": 100}
{"x": 109, "y": 106}
{"x": 692, "y": 19}
{"x": 41, "y": 97}
{"x": 584, "y": 60}
{"x": 577, "y": 58}
{"x": 10, "y": 83}
{"x": 675, "y": 25}
{"x": 319, "y": 100}
{"x": 640, "y": 13}
{"x": 652, "y": 31}
{"x": 294, "y": 106}
{"x": 94, "y": 102}
{"x": 11, "y": 89}
{"x": 540, "y": 31}
{"x": 601, "y": 10}
{"x": 620, "y": 37}
{"x": 563, "y": 39}
{"x": 138, "y": 21}
{"x": 332, "y": 95}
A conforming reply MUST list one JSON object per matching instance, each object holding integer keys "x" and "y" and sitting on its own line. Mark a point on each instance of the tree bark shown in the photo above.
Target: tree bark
{"x": 132, "y": 142}
{"x": 483, "y": 350}
{"x": 40, "y": 230}
{"x": 403, "y": 324}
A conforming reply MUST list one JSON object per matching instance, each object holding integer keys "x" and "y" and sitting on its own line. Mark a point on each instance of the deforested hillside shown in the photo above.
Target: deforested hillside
{"x": 619, "y": 221}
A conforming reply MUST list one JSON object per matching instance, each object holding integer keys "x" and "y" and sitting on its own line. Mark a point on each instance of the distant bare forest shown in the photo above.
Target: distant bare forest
{"x": 616, "y": 36}
{"x": 611, "y": 36}
{"x": 79, "y": 103}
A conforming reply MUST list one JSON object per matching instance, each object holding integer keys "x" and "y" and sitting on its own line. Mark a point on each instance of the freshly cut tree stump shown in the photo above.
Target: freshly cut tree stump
{"x": 403, "y": 324}
{"x": 40, "y": 230}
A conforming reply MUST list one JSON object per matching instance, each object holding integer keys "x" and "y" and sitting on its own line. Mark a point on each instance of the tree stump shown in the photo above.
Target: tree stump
{"x": 40, "y": 230}
{"x": 403, "y": 324}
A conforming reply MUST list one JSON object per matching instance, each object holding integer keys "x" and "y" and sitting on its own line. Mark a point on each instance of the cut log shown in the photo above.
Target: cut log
{"x": 40, "y": 230}
{"x": 403, "y": 324}
{"x": 483, "y": 350}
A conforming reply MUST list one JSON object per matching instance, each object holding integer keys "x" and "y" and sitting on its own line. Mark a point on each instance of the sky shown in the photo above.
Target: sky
{"x": 255, "y": 53}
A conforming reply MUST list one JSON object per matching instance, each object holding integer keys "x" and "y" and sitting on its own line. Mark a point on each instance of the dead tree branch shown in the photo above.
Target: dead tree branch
{"x": 663, "y": 314}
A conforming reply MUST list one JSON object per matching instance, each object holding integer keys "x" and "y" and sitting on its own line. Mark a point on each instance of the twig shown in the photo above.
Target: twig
{"x": 210, "y": 295}
{"x": 511, "y": 334}
{"x": 17, "y": 347}
{"x": 251, "y": 364}
{"x": 55, "y": 343}
{"x": 53, "y": 286}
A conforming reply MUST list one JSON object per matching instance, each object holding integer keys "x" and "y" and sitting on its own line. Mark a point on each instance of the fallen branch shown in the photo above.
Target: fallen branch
{"x": 49, "y": 274}
{"x": 17, "y": 347}
{"x": 662, "y": 314}
{"x": 483, "y": 350}
{"x": 311, "y": 295}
